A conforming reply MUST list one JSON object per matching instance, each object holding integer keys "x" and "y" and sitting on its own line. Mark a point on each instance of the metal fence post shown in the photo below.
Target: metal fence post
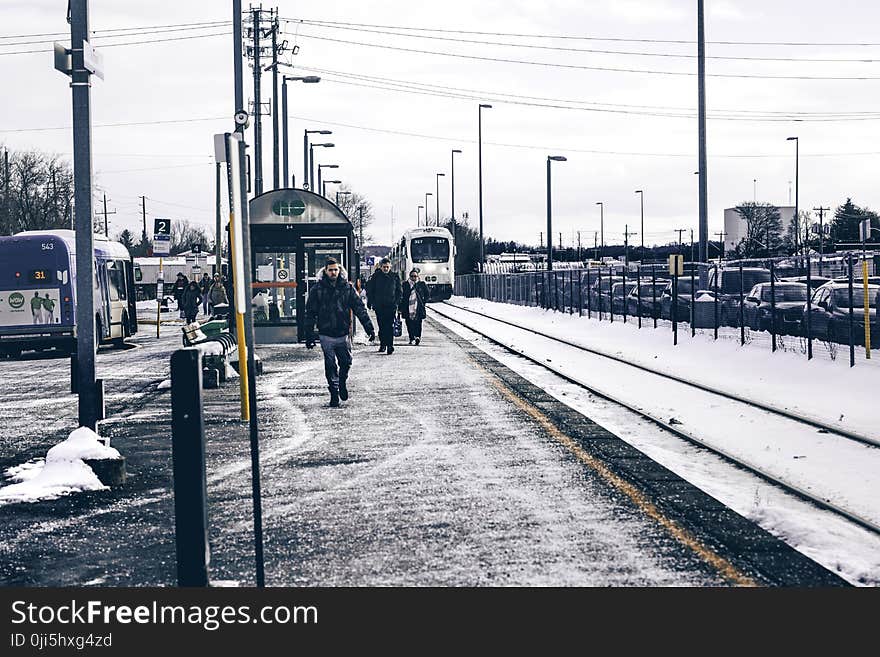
{"x": 715, "y": 286}
{"x": 639, "y": 294}
{"x": 580, "y": 292}
{"x": 772, "y": 306}
{"x": 571, "y": 291}
{"x": 852, "y": 344}
{"x": 625, "y": 295}
{"x": 809, "y": 319}
{"x": 611, "y": 293}
{"x": 675, "y": 307}
{"x": 188, "y": 455}
{"x": 589, "y": 296}
{"x": 742, "y": 313}
{"x": 654, "y": 293}
{"x": 693, "y": 300}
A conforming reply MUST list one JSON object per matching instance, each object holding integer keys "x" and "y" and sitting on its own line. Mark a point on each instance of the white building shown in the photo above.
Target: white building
{"x": 735, "y": 225}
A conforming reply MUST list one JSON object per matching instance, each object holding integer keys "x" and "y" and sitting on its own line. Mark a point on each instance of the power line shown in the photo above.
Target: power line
{"x": 127, "y": 43}
{"x": 582, "y": 67}
{"x": 581, "y": 38}
{"x": 119, "y": 125}
{"x": 195, "y": 26}
{"x": 117, "y": 29}
{"x": 532, "y": 46}
{"x": 668, "y": 112}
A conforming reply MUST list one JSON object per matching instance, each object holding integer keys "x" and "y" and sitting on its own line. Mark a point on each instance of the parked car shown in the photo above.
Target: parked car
{"x": 829, "y": 313}
{"x": 779, "y": 307}
{"x": 619, "y": 292}
{"x": 683, "y": 310}
{"x": 815, "y": 281}
{"x": 730, "y": 287}
{"x": 651, "y": 294}
{"x": 599, "y": 298}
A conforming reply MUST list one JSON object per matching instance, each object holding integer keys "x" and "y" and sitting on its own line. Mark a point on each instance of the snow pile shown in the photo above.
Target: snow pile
{"x": 63, "y": 471}
{"x": 165, "y": 385}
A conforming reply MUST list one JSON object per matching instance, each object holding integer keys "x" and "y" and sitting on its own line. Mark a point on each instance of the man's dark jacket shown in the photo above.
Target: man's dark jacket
{"x": 331, "y": 307}
{"x": 383, "y": 290}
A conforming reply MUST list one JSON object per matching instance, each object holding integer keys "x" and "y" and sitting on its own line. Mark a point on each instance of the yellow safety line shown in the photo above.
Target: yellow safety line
{"x": 239, "y": 331}
{"x": 867, "y": 311}
{"x": 726, "y": 569}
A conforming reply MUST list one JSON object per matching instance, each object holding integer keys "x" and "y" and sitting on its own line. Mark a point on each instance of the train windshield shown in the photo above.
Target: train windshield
{"x": 429, "y": 249}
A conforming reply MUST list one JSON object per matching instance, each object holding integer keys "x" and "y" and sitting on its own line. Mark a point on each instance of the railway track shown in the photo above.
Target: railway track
{"x": 678, "y": 431}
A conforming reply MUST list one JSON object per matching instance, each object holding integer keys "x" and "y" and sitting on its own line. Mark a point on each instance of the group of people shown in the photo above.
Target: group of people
{"x": 192, "y": 294}
{"x": 332, "y": 302}
{"x": 43, "y": 309}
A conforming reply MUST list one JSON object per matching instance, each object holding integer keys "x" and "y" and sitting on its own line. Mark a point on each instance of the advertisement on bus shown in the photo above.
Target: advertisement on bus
{"x": 30, "y": 307}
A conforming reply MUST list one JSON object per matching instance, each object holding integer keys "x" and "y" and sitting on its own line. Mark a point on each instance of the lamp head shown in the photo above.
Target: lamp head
{"x": 485, "y": 106}
{"x": 557, "y": 158}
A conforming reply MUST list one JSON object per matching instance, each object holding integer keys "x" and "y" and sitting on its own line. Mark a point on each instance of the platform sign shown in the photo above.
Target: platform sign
{"x": 161, "y": 245}
{"x": 676, "y": 265}
{"x": 161, "y": 226}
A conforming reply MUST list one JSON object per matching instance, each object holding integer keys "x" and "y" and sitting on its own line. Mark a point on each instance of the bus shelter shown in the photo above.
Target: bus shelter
{"x": 293, "y": 232}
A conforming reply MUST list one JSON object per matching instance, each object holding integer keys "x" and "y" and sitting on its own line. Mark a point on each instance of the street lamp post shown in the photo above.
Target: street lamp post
{"x": 427, "y": 194}
{"x": 796, "y": 167}
{"x": 307, "y": 180}
{"x": 312, "y": 148}
{"x": 437, "y": 199}
{"x": 452, "y": 190}
{"x": 320, "y": 168}
{"x": 550, "y": 158}
{"x": 480, "y": 178}
{"x": 601, "y": 228}
{"x": 642, "y": 206}
{"x": 306, "y": 79}
{"x": 328, "y": 182}
{"x": 419, "y": 215}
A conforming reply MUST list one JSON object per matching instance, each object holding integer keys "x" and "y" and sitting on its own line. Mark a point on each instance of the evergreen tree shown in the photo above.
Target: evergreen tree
{"x": 847, "y": 217}
{"x": 126, "y": 238}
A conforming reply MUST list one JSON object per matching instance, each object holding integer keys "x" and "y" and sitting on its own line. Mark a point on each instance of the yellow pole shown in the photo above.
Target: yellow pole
{"x": 159, "y": 295}
{"x": 867, "y": 310}
{"x": 239, "y": 331}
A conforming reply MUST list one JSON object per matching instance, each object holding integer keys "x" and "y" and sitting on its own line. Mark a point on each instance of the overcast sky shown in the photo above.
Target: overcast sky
{"x": 188, "y": 83}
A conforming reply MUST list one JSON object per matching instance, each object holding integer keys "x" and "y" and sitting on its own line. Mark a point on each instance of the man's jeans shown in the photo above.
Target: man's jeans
{"x": 336, "y": 350}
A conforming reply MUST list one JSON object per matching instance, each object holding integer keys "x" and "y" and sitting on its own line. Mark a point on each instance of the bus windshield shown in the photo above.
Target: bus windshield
{"x": 429, "y": 249}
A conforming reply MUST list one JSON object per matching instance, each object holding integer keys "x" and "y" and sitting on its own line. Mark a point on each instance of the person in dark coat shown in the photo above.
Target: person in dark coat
{"x": 383, "y": 296}
{"x": 330, "y": 305}
{"x": 190, "y": 301}
{"x": 205, "y": 288}
{"x": 415, "y": 295}
{"x": 180, "y": 286}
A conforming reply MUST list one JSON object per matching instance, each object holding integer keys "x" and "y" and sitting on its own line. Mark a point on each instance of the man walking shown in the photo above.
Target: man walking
{"x": 330, "y": 305}
{"x": 383, "y": 295}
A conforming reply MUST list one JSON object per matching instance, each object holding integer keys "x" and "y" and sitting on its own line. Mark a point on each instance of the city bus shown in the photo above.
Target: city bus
{"x": 38, "y": 292}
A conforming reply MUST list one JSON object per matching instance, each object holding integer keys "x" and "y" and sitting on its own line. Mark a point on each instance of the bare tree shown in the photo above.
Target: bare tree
{"x": 185, "y": 235}
{"x": 37, "y": 193}
{"x": 358, "y": 209}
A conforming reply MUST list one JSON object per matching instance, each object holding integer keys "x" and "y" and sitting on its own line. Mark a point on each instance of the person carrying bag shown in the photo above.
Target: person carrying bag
{"x": 413, "y": 301}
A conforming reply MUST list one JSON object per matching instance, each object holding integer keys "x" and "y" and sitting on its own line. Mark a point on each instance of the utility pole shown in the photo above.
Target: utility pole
{"x": 88, "y": 388}
{"x": 626, "y": 235}
{"x": 249, "y": 318}
{"x": 105, "y": 213}
{"x": 144, "y": 216}
{"x": 541, "y": 240}
{"x": 821, "y": 212}
{"x": 579, "y": 246}
{"x": 701, "y": 111}
{"x": 596, "y": 244}
{"x": 680, "y": 231}
{"x": 275, "y": 166}
{"x": 692, "y": 245}
{"x": 721, "y": 237}
{"x": 258, "y": 108}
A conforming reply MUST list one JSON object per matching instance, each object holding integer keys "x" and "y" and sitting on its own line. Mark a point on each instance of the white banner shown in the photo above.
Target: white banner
{"x": 29, "y": 307}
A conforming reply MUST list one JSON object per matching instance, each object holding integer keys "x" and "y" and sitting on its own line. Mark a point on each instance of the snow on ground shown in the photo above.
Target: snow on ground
{"x": 827, "y": 391}
{"x": 825, "y": 537}
{"x": 63, "y": 472}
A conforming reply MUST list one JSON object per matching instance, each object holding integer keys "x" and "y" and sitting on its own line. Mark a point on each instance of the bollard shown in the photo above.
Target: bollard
{"x": 188, "y": 455}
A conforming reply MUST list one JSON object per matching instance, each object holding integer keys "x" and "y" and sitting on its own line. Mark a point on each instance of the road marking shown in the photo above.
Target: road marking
{"x": 726, "y": 569}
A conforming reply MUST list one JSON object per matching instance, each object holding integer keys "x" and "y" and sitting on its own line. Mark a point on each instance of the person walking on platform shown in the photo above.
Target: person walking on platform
{"x": 412, "y": 305}
{"x": 217, "y": 293}
{"x": 330, "y": 305}
{"x": 205, "y": 288}
{"x": 383, "y": 296}
{"x": 190, "y": 301}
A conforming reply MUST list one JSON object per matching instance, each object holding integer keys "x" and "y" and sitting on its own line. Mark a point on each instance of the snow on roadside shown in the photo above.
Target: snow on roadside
{"x": 63, "y": 472}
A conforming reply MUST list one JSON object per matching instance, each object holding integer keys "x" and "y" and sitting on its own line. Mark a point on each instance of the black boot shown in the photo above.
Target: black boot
{"x": 334, "y": 398}
{"x": 417, "y": 341}
{"x": 343, "y": 388}
{"x": 382, "y": 349}
{"x": 390, "y": 349}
